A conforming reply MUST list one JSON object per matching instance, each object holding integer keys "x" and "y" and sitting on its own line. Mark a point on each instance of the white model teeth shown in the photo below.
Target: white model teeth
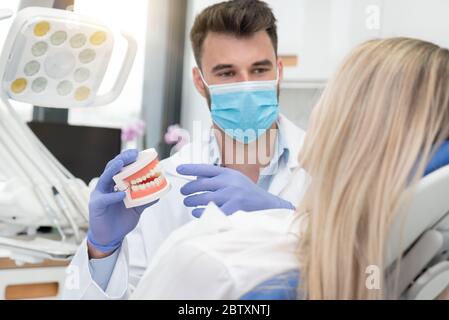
{"x": 154, "y": 174}
{"x": 141, "y": 187}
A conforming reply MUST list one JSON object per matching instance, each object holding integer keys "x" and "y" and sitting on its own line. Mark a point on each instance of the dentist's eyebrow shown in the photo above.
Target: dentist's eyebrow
{"x": 220, "y": 67}
{"x": 263, "y": 63}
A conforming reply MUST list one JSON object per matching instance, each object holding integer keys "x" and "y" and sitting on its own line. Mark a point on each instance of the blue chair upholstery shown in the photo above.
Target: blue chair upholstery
{"x": 285, "y": 286}
{"x": 281, "y": 287}
{"x": 439, "y": 160}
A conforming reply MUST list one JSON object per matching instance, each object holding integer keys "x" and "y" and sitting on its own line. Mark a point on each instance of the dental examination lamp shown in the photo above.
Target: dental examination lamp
{"x": 51, "y": 58}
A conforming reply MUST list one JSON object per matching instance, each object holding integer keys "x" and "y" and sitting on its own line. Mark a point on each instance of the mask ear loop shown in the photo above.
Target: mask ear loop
{"x": 278, "y": 75}
{"x": 202, "y": 78}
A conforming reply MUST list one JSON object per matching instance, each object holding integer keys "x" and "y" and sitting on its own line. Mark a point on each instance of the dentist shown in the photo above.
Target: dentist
{"x": 245, "y": 162}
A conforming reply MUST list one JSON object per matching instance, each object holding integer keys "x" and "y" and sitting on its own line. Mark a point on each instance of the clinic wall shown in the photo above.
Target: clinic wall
{"x": 423, "y": 19}
{"x": 319, "y": 33}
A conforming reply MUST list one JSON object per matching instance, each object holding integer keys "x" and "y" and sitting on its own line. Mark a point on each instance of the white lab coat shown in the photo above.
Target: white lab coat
{"x": 158, "y": 221}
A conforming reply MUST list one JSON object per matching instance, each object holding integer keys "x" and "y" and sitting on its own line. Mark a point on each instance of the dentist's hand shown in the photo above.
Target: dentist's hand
{"x": 109, "y": 220}
{"x": 228, "y": 189}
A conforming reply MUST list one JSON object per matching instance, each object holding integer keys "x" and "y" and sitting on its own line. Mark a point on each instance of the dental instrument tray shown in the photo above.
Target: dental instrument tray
{"x": 143, "y": 181}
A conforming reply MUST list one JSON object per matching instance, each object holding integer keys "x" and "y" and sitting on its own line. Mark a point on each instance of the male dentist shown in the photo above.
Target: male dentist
{"x": 235, "y": 46}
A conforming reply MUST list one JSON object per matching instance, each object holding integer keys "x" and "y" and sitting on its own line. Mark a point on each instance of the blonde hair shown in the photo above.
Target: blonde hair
{"x": 370, "y": 137}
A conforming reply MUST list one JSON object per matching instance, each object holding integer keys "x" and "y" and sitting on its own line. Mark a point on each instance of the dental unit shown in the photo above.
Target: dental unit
{"x": 51, "y": 58}
{"x": 143, "y": 181}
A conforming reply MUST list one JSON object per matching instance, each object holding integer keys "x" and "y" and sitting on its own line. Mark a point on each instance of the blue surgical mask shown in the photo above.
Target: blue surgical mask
{"x": 244, "y": 110}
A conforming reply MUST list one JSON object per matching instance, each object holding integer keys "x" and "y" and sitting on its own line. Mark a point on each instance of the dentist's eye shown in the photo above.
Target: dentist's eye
{"x": 227, "y": 74}
{"x": 260, "y": 71}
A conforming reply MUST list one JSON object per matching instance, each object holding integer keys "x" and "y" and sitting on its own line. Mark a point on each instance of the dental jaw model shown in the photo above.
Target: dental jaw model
{"x": 143, "y": 181}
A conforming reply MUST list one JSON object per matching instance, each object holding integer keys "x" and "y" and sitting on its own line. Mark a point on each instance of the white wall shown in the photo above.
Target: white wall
{"x": 194, "y": 107}
{"x": 423, "y": 19}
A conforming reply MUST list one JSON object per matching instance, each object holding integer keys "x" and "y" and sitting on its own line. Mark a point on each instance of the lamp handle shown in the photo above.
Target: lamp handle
{"x": 122, "y": 75}
{"x": 5, "y": 13}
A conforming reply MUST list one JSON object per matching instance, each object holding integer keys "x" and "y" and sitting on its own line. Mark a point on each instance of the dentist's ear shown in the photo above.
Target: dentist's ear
{"x": 281, "y": 69}
{"x": 198, "y": 81}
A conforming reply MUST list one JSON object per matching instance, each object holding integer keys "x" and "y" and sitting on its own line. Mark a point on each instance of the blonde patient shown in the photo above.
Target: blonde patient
{"x": 387, "y": 107}
{"x": 371, "y": 136}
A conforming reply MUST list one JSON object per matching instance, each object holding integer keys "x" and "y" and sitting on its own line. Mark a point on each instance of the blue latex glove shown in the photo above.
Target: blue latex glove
{"x": 109, "y": 220}
{"x": 228, "y": 189}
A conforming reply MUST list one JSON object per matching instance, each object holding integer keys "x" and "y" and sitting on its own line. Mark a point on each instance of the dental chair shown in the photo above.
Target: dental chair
{"x": 420, "y": 237}
{"x": 418, "y": 244}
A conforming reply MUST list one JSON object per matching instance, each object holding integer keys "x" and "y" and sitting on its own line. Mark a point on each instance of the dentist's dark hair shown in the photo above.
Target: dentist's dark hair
{"x": 241, "y": 18}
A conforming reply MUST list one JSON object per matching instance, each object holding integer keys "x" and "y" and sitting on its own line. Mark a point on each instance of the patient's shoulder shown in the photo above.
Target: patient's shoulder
{"x": 249, "y": 248}
{"x": 220, "y": 257}
{"x": 185, "y": 272}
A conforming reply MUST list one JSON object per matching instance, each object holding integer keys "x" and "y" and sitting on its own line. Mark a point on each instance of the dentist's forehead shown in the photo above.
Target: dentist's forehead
{"x": 224, "y": 49}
